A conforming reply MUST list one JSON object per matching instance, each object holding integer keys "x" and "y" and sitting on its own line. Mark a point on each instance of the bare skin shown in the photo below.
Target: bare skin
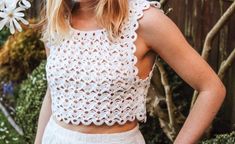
{"x": 157, "y": 34}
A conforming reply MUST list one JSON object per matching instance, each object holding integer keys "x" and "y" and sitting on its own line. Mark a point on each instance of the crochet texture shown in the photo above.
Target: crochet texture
{"x": 93, "y": 80}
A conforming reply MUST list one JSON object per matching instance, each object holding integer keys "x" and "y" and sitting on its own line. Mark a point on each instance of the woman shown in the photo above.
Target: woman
{"x": 100, "y": 58}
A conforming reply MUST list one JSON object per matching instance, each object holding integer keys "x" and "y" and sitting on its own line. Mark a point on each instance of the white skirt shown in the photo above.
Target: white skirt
{"x": 56, "y": 134}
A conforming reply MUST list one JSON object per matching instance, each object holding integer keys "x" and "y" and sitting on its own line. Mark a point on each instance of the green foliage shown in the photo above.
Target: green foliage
{"x": 222, "y": 139}
{"x": 4, "y": 34}
{"x": 21, "y": 54}
{"x": 31, "y": 94}
{"x": 8, "y": 135}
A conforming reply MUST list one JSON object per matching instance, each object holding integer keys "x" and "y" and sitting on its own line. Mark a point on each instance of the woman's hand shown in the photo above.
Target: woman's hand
{"x": 164, "y": 37}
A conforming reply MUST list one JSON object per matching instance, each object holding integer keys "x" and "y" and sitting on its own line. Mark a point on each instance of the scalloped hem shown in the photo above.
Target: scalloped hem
{"x": 137, "y": 117}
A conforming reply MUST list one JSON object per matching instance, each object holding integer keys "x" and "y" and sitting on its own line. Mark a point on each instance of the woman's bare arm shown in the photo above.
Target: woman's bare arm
{"x": 45, "y": 113}
{"x": 164, "y": 37}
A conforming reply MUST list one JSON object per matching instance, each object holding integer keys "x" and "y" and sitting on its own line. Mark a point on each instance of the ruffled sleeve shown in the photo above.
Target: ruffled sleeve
{"x": 136, "y": 12}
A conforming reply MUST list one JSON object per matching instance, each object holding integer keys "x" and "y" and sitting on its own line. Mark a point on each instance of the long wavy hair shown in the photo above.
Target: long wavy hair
{"x": 109, "y": 14}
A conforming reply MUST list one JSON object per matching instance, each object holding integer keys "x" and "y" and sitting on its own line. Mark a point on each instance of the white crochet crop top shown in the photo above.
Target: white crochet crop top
{"x": 93, "y": 80}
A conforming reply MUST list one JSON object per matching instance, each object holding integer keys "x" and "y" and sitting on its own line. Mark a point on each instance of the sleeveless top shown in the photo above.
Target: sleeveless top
{"x": 93, "y": 80}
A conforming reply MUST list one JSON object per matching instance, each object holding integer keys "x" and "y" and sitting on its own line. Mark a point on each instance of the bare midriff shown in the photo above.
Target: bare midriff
{"x": 92, "y": 128}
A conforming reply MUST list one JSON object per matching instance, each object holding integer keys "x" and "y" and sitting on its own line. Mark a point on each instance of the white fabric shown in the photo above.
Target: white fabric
{"x": 56, "y": 134}
{"x": 93, "y": 80}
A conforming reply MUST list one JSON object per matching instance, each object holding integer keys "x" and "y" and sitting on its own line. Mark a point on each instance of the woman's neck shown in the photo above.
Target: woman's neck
{"x": 85, "y": 10}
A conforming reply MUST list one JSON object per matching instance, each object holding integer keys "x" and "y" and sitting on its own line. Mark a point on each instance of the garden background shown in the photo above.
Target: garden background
{"x": 208, "y": 25}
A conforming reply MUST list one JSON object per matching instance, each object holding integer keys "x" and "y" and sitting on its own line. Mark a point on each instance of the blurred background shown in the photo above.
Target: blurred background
{"x": 208, "y": 25}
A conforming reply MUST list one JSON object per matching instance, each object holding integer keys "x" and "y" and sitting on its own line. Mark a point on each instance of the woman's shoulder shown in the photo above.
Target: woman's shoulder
{"x": 154, "y": 24}
{"x": 149, "y": 14}
{"x": 152, "y": 16}
{"x": 158, "y": 31}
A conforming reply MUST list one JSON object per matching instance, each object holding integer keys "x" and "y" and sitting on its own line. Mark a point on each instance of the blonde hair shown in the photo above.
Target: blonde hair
{"x": 109, "y": 14}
